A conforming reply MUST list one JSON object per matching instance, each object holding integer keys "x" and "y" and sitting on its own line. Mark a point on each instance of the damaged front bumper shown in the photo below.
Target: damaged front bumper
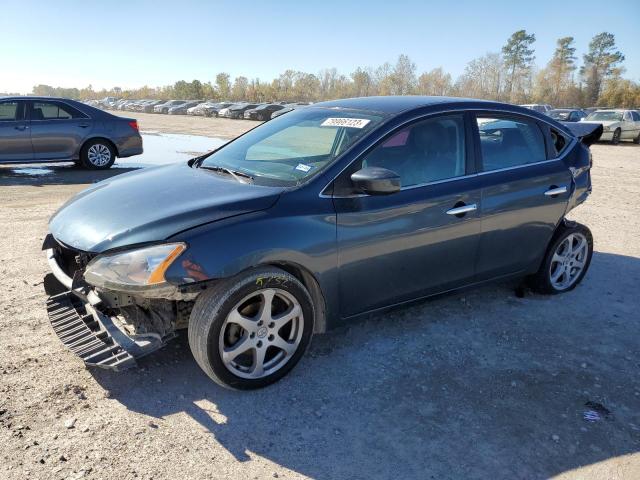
{"x": 87, "y": 321}
{"x": 94, "y": 336}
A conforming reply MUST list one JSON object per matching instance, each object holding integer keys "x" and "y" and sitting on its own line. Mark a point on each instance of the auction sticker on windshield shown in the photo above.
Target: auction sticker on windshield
{"x": 345, "y": 122}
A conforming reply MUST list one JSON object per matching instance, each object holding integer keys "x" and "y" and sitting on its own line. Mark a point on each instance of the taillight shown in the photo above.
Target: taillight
{"x": 134, "y": 125}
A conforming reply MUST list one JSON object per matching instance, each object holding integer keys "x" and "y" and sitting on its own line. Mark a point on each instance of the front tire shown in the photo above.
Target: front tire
{"x": 251, "y": 330}
{"x": 615, "y": 140}
{"x": 567, "y": 260}
{"x": 97, "y": 154}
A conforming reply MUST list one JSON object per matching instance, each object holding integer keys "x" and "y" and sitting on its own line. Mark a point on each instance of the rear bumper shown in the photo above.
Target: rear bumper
{"x": 129, "y": 146}
{"x": 81, "y": 322}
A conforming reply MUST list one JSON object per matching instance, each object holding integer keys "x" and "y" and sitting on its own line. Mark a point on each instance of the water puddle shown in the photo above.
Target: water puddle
{"x": 163, "y": 148}
{"x": 34, "y": 172}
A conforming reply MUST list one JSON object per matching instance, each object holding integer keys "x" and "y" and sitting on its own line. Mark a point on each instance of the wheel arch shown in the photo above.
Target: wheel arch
{"x": 301, "y": 273}
{"x": 310, "y": 282}
{"x": 562, "y": 224}
{"x": 98, "y": 137}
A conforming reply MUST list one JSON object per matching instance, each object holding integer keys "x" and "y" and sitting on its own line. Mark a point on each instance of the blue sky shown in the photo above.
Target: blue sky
{"x": 138, "y": 42}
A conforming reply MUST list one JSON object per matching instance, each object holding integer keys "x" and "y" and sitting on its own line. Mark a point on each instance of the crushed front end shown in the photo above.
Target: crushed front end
{"x": 108, "y": 328}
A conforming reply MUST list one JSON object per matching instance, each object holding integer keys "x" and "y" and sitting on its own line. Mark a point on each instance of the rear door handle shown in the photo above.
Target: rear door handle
{"x": 20, "y": 127}
{"x": 459, "y": 211}
{"x": 83, "y": 125}
{"x": 554, "y": 191}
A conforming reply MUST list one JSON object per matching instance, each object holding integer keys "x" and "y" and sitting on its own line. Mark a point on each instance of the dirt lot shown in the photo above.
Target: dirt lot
{"x": 188, "y": 125}
{"x": 481, "y": 384}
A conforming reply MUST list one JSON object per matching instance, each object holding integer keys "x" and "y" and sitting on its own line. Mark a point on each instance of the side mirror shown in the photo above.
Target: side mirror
{"x": 376, "y": 181}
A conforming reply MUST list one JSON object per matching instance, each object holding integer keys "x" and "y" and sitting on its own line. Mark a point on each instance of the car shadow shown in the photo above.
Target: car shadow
{"x": 479, "y": 384}
{"x": 54, "y": 174}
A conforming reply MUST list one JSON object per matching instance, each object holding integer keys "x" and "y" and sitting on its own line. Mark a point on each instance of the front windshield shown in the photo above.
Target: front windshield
{"x": 293, "y": 147}
{"x": 615, "y": 116}
{"x": 559, "y": 114}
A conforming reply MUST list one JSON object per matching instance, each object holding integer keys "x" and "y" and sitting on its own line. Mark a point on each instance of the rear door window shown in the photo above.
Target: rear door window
{"x": 9, "y": 111}
{"x": 53, "y": 111}
{"x": 507, "y": 141}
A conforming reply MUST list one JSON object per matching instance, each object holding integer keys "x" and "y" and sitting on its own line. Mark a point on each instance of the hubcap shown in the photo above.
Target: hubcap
{"x": 568, "y": 261}
{"x": 261, "y": 333}
{"x": 99, "y": 155}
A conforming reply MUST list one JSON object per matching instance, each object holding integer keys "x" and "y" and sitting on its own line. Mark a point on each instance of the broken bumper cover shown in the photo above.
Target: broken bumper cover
{"x": 86, "y": 334}
{"x": 78, "y": 321}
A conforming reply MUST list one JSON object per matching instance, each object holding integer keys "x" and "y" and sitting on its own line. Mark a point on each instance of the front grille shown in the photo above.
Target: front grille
{"x": 72, "y": 260}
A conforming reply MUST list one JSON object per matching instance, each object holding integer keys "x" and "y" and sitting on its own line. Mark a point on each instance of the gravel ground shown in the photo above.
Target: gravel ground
{"x": 190, "y": 125}
{"x": 480, "y": 384}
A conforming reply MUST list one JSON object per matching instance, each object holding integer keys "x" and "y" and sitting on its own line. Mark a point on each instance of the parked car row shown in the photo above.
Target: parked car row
{"x": 207, "y": 108}
{"x": 618, "y": 124}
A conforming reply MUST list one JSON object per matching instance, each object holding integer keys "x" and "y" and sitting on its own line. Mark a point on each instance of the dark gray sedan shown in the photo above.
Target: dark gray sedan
{"x": 312, "y": 219}
{"x": 43, "y": 129}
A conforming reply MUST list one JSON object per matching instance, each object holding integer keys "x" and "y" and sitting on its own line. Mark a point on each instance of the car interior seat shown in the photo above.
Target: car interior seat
{"x": 36, "y": 114}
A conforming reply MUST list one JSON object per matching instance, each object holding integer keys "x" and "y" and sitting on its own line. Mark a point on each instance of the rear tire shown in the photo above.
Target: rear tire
{"x": 97, "y": 154}
{"x": 637, "y": 139}
{"x": 238, "y": 341}
{"x": 566, "y": 261}
{"x": 615, "y": 140}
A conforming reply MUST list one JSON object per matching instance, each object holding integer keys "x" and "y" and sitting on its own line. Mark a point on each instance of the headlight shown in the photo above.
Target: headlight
{"x": 133, "y": 270}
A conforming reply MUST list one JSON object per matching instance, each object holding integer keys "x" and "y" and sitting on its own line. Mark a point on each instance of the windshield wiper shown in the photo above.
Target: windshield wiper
{"x": 239, "y": 176}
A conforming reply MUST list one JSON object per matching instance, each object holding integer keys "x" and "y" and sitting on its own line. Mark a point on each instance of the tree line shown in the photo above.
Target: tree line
{"x": 509, "y": 75}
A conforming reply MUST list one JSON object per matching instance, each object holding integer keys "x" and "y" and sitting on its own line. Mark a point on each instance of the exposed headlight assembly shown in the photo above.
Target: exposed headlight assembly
{"x": 133, "y": 270}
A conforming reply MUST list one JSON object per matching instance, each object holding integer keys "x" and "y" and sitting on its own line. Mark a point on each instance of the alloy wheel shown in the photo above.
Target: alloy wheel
{"x": 261, "y": 333}
{"x": 99, "y": 155}
{"x": 568, "y": 261}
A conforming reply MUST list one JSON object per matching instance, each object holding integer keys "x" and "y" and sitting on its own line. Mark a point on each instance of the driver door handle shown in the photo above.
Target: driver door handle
{"x": 552, "y": 192}
{"x": 462, "y": 209}
{"x": 21, "y": 127}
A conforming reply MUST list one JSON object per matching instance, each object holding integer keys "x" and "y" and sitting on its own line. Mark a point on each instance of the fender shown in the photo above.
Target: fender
{"x": 278, "y": 236}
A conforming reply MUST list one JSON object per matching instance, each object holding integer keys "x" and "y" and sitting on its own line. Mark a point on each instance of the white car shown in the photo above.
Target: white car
{"x": 224, "y": 112}
{"x": 617, "y": 124}
{"x": 198, "y": 109}
{"x": 538, "y": 107}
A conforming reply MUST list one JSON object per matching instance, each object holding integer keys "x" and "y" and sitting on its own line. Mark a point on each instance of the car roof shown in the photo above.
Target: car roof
{"x": 392, "y": 104}
{"x": 36, "y": 97}
{"x": 397, "y": 104}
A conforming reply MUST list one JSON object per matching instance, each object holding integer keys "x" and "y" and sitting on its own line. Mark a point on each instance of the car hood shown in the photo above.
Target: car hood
{"x": 153, "y": 204}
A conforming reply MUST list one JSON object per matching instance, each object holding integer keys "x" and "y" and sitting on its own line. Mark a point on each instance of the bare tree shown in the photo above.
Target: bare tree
{"x": 482, "y": 78}
{"x": 435, "y": 82}
{"x": 404, "y": 76}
